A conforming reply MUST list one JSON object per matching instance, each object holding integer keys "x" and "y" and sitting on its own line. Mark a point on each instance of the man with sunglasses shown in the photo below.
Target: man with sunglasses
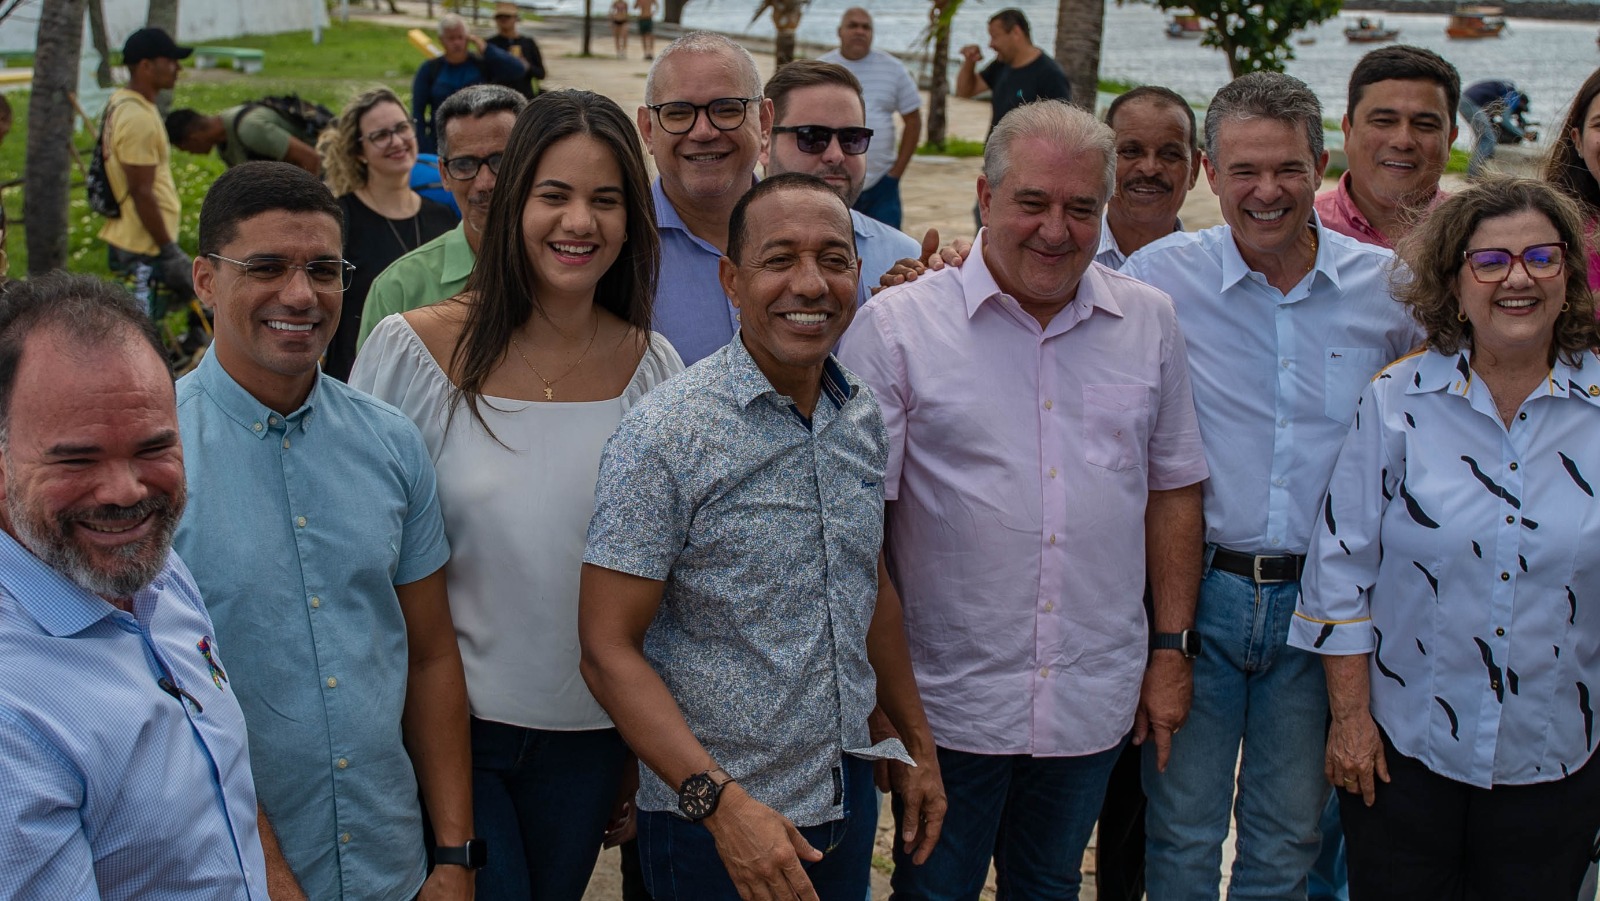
{"x": 819, "y": 128}
{"x": 474, "y": 125}
{"x": 315, "y": 536}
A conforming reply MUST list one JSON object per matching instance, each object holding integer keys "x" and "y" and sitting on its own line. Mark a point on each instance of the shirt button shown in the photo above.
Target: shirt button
{"x": 1594, "y": 390}
{"x": 1052, "y": 472}
{"x": 300, "y": 521}
{"x": 1283, "y": 423}
{"x": 1279, "y": 481}
{"x": 1048, "y": 404}
{"x": 1049, "y": 606}
{"x": 1513, "y": 467}
{"x": 1522, "y": 416}
{"x": 285, "y": 444}
{"x": 1494, "y": 684}
{"x": 345, "y": 838}
{"x": 1044, "y": 671}
{"x": 1052, "y": 539}
{"x": 1505, "y": 577}
{"x": 343, "y": 763}
{"x": 258, "y": 426}
{"x": 315, "y": 602}
{"x": 272, "y": 420}
{"x": 332, "y": 682}
{"x": 1510, "y": 520}
{"x": 1284, "y": 363}
{"x": 1500, "y": 632}
{"x": 1273, "y": 542}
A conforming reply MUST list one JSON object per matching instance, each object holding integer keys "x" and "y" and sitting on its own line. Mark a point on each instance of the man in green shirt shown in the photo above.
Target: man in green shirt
{"x": 474, "y": 126}
{"x": 241, "y": 134}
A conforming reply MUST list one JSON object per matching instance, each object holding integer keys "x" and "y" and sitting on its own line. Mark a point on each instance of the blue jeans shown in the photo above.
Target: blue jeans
{"x": 1031, "y": 815}
{"x": 540, "y": 799}
{"x": 1483, "y": 138}
{"x": 1330, "y": 876}
{"x": 681, "y": 863}
{"x": 882, "y": 201}
{"x": 1249, "y": 687}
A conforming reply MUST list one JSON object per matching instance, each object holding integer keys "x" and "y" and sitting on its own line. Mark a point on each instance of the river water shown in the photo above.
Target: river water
{"x": 1547, "y": 59}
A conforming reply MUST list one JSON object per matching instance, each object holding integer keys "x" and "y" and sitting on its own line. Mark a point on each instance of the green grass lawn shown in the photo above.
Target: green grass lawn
{"x": 350, "y": 59}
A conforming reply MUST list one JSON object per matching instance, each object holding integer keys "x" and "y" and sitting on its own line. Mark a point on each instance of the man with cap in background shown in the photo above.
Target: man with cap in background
{"x": 519, "y": 46}
{"x": 143, "y": 239}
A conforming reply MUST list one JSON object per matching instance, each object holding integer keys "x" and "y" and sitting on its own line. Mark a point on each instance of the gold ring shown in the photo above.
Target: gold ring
{"x": 1349, "y": 780}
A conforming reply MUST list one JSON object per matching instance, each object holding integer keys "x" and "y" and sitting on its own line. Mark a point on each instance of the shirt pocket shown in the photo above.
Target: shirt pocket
{"x": 1114, "y": 420}
{"x": 1345, "y": 371}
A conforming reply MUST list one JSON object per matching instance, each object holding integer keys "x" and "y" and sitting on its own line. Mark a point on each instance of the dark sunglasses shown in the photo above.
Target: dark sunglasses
{"x": 815, "y": 138}
{"x": 465, "y": 168}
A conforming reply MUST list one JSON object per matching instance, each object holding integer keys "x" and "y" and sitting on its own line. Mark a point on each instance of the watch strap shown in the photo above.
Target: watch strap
{"x": 472, "y": 855}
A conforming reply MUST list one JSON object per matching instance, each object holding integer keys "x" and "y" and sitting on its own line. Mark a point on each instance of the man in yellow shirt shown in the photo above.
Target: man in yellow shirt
{"x": 143, "y": 239}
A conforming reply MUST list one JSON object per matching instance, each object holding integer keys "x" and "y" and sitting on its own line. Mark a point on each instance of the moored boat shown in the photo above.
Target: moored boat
{"x": 1185, "y": 26}
{"x": 1470, "y": 22}
{"x": 1365, "y": 31}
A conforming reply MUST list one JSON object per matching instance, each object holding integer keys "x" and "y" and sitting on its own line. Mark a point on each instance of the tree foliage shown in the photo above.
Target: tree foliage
{"x": 1256, "y": 35}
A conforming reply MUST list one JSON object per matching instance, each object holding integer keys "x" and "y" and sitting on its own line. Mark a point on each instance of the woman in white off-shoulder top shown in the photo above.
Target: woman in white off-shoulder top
{"x": 516, "y": 384}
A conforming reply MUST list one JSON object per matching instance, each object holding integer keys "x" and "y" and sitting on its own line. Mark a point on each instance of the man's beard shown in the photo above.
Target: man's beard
{"x": 119, "y": 572}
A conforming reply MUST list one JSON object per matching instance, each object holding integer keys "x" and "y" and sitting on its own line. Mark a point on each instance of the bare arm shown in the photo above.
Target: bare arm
{"x": 434, "y": 723}
{"x": 142, "y": 188}
{"x": 760, "y": 848}
{"x": 920, "y": 787}
{"x": 1174, "y": 550}
{"x": 968, "y": 81}
{"x": 908, "y": 142}
{"x": 1355, "y": 760}
{"x": 281, "y": 884}
{"x": 303, "y": 155}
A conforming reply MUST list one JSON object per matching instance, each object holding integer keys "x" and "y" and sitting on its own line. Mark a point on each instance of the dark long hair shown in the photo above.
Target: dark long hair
{"x": 501, "y": 287}
{"x": 1565, "y": 167}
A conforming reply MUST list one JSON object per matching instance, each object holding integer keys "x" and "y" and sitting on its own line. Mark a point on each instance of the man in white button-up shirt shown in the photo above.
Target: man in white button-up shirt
{"x": 1285, "y": 322}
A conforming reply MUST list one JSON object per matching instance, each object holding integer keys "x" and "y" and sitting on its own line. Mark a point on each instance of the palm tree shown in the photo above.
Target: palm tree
{"x": 1080, "y": 25}
{"x": 940, "y": 15}
{"x": 50, "y": 127}
{"x": 786, "y": 19}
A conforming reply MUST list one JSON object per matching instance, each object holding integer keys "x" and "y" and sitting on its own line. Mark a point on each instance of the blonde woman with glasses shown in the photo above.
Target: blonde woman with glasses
{"x": 367, "y": 157}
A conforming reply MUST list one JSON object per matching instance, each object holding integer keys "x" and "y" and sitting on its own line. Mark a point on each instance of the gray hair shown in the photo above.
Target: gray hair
{"x": 474, "y": 103}
{"x": 450, "y": 22}
{"x": 707, "y": 42}
{"x": 1062, "y": 125}
{"x": 1266, "y": 95}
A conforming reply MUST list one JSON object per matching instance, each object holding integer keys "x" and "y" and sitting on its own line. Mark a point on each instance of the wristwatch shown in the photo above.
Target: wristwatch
{"x": 1187, "y": 642}
{"x": 697, "y": 797}
{"x": 472, "y": 855}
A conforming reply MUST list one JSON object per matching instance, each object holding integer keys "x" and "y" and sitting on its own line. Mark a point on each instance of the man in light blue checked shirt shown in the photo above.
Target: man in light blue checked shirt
{"x": 124, "y": 771}
{"x": 735, "y": 616}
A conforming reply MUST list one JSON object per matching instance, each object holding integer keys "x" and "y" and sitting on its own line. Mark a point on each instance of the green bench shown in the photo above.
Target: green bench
{"x": 244, "y": 59}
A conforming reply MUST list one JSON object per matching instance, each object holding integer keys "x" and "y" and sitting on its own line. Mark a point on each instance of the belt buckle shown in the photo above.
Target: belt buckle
{"x": 1256, "y": 573}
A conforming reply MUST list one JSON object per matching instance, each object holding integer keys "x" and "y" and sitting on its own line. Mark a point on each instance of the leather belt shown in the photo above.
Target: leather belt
{"x": 1259, "y": 569}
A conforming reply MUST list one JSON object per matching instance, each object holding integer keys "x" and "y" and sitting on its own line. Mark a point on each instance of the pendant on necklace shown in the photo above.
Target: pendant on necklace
{"x": 549, "y": 394}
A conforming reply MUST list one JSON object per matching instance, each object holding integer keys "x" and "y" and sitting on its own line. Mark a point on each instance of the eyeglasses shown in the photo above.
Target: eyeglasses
{"x": 466, "y": 168}
{"x": 1492, "y": 265}
{"x": 324, "y": 276}
{"x": 383, "y": 137}
{"x": 815, "y": 138}
{"x": 725, "y": 114}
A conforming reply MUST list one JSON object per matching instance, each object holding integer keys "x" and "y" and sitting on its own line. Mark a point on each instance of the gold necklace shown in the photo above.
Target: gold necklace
{"x": 550, "y": 384}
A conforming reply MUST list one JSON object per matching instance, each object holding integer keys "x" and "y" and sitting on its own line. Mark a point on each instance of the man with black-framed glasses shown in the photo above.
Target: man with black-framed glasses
{"x": 474, "y": 125}
{"x": 315, "y": 536}
{"x": 819, "y": 128}
{"x": 702, "y": 120}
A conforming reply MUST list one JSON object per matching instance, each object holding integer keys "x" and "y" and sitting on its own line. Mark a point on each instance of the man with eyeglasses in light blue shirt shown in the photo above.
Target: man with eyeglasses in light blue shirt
{"x": 315, "y": 534}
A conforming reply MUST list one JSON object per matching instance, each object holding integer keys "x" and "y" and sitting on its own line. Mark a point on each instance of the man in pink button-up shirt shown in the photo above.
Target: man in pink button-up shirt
{"x": 1398, "y": 128}
{"x": 1042, "y": 447}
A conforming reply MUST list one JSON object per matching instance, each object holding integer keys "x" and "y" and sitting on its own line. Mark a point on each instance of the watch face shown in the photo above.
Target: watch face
{"x": 477, "y": 853}
{"x": 698, "y": 796}
{"x": 1191, "y": 643}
